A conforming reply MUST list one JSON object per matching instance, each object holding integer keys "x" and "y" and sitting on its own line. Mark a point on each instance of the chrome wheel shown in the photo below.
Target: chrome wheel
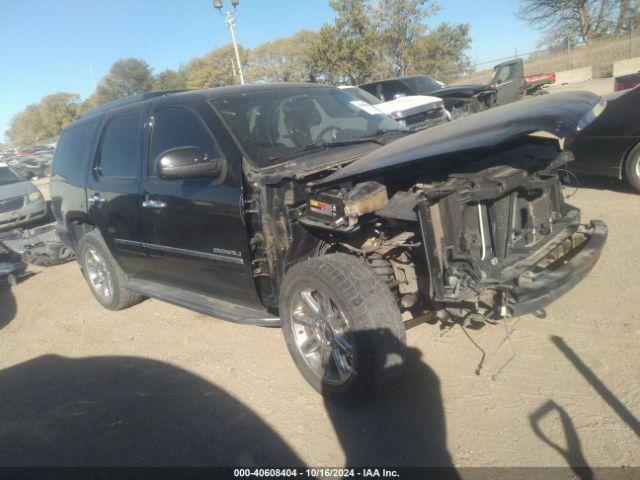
{"x": 98, "y": 274}
{"x": 321, "y": 333}
{"x": 638, "y": 167}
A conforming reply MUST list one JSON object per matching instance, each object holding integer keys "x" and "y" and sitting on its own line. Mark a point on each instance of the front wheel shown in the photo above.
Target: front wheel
{"x": 632, "y": 169}
{"x": 342, "y": 326}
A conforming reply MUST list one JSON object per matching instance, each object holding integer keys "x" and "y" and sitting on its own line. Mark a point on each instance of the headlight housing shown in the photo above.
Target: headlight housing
{"x": 34, "y": 196}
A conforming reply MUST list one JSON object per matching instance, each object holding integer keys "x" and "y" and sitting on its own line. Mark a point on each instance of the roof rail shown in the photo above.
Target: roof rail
{"x": 124, "y": 101}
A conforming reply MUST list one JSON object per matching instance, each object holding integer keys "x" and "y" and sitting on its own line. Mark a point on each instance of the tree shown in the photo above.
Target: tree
{"x": 578, "y": 20}
{"x": 130, "y": 76}
{"x": 170, "y": 80}
{"x": 440, "y": 53}
{"x": 345, "y": 50}
{"x": 44, "y": 119}
{"x": 215, "y": 69}
{"x": 400, "y": 26}
{"x": 284, "y": 59}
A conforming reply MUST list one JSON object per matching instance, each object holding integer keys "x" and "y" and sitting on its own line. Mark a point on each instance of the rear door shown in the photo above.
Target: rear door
{"x": 195, "y": 228}
{"x": 113, "y": 188}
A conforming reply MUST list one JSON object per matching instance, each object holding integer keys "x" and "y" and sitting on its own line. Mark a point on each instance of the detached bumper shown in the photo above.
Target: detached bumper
{"x": 552, "y": 283}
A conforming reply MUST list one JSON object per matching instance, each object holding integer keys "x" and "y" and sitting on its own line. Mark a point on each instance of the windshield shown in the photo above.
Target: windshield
{"x": 274, "y": 124}
{"x": 9, "y": 175}
{"x": 422, "y": 85}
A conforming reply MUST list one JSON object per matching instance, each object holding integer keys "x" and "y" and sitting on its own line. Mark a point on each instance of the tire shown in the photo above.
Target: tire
{"x": 632, "y": 168}
{"x": 364, "y": 312}
{"x": 91, "y": 247}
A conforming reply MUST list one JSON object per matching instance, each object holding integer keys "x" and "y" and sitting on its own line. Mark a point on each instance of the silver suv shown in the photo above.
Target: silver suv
{"x": 20, "y": 200}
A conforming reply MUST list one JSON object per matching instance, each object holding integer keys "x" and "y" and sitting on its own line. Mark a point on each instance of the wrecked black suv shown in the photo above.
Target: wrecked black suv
{"x": 297, "y": 205}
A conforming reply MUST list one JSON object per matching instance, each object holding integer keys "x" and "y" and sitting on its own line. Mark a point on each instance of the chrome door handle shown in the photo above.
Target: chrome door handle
{"x": 97, "y": 199}
{"x": 153, "y": 204}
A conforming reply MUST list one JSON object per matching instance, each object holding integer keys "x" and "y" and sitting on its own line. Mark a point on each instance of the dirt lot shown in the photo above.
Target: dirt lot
{"x": 158, "y": 384}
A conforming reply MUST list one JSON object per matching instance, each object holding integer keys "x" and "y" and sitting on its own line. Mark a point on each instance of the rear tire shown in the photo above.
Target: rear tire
{"x": 353, "y": 308}
{"x": 632, "y": 168}
{"x": 105, "y": 277}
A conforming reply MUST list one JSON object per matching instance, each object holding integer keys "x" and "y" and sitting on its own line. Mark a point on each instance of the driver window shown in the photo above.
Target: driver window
{"x": 506, "y": 73}
{"x": 175, "y": 127}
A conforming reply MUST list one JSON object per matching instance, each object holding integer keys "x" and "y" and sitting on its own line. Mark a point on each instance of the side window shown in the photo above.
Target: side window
{"x": 120, "y": 149}
{"x": 506, "y": 73}
{"x": 175, "y": 127}
{"x": 72, "y": 151}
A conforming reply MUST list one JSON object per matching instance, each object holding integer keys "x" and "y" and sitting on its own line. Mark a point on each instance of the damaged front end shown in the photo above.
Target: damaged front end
{"x": 490, "y": 242}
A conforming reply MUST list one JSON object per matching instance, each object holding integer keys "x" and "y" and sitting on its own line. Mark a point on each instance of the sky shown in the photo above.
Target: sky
{"x": 48, "y": 46}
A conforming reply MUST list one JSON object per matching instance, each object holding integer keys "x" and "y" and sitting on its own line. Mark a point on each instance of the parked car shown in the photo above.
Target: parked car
{"x": 610, "y": 146}
{"x": 292, "y": 205}
{"x": 507, "y": 85}
{"x": 626, "y": 82}
{"x": 416, "y": 112}
{"x": 20, "y": 200}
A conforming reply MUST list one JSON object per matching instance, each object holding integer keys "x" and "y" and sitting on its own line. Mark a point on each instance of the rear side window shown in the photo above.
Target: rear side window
{"x": 121, "y": 147}
{"x": 73, "y": 150}
{"x": 175, "y": 127}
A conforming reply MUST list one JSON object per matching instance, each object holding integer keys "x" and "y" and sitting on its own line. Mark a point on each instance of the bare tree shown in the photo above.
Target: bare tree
{"x": 582, "y": 19}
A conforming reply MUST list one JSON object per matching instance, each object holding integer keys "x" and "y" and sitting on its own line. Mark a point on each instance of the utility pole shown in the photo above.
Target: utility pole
{"x": 230, "y": 21}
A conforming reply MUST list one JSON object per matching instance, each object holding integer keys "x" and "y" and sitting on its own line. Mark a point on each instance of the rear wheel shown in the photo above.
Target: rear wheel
{"x": 342, "y": 326}
{"x": 632, "y": 168}
{"x": 104, "y": 276}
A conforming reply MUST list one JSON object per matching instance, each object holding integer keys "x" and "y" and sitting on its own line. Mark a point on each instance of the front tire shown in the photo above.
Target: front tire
{"x": 106, "y": 279}
{"x": 342, "y": 326}
{"x": 632, "y": 168}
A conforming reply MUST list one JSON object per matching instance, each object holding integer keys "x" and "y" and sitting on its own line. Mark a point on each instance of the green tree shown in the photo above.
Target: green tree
{"x": 284, "y": 59}
{"x": 400, "y": 26}
{"x": 168, "y": 80}
{"x": 44, "y": 119}
{"x": 440, "y": 53}
{"x": 126, "y": 77}
{"x": 345, "y": 50}
{"x": 215, "y": 69}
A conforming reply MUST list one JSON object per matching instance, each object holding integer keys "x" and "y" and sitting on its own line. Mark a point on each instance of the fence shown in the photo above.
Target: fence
{"x": 599, "y": 54}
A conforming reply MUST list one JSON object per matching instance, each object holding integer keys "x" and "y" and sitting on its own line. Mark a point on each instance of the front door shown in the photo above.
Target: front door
{"x": 509, "y": 81}
{"x": 113, "y": 188}
{"x": 195, "y": 228}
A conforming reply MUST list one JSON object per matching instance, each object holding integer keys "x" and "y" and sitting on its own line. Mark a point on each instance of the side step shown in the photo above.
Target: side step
{"x": 203, "y": 303}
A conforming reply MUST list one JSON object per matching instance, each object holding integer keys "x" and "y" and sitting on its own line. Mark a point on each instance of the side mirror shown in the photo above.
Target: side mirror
{"x": 188, "y": 162}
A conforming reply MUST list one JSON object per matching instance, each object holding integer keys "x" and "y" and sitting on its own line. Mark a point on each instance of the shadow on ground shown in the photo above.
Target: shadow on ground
{"x": 404, "y": 426}
{"x": 126, "y": 411}
{"x": 603, "y": 183}
{"x": 8, "y": 307}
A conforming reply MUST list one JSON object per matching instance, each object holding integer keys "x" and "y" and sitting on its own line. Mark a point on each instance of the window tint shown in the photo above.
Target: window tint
{"x": 72, "y": 151}
{"x": 393, "y": 88}
{"x": 175, "y": 127}
{"x": 121, "y": 147}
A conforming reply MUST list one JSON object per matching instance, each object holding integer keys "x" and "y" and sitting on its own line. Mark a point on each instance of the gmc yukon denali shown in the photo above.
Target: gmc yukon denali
{"x": 292, "y": 205}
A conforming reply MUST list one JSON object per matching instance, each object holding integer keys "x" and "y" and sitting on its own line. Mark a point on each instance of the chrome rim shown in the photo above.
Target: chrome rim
{"x": 99, "y": 276}
{"x": 638, "y": 167}
{"x": 322, "y": 335}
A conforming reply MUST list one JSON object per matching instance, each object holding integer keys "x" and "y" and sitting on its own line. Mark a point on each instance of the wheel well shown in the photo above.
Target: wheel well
{"x": 77, "y": 229}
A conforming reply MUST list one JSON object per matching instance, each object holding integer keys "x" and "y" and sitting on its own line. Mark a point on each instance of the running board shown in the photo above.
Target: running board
{"x": 203, "y": 304}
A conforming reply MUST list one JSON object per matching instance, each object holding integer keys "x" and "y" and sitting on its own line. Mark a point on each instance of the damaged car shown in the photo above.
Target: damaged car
{"x": 290, "y": 205}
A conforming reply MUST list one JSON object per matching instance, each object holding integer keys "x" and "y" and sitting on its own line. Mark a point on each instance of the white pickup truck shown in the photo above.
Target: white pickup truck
{"x": 416, "y": 112}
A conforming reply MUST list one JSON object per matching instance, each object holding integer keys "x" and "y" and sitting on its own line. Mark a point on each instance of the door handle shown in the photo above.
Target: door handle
{"x": 153, "y": 204}
{"x": 96, "y": 199}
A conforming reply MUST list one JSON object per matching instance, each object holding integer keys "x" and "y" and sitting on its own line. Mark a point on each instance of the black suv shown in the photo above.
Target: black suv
{"x": 296, "y": 204}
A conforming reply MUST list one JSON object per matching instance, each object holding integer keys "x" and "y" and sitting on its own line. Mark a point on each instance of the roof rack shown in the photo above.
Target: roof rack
{"x": 124, "y": 101}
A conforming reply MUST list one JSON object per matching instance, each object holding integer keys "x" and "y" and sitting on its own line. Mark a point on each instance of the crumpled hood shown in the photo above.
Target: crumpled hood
{"x": 17, "y": 189}
{"x": 558, "y": 114}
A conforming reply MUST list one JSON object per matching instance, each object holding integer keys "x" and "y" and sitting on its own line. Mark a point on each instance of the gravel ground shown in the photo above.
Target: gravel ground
{"x": 158, "y": 384}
